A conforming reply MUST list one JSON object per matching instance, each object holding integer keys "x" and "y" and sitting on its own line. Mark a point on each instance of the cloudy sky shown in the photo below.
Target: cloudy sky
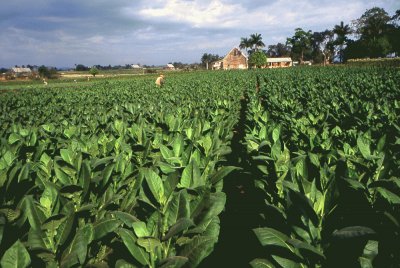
{"x": 67, "y": 32}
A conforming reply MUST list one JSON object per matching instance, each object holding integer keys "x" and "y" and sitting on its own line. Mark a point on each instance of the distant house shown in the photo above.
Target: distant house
{"x": 136, "y": 66}
{"x": 19, "y": 72}
{"x": 169, "y": 66}
{"x": 217, "y": 65}
{"x": 296, "y": 63}
{"x": 279, "y": 62}
{"x": 235, "y": 59}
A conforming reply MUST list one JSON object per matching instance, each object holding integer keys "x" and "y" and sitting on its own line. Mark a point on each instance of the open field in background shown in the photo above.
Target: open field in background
{"x": 75, "y": 78}
{"x": 285, "y": 168}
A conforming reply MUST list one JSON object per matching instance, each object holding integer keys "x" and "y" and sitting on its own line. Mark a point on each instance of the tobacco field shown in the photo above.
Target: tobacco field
{"x": 121, "y": 173}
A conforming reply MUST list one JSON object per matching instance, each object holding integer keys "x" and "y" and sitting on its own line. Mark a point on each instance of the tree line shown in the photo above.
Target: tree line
{"x": 375, "y": 34}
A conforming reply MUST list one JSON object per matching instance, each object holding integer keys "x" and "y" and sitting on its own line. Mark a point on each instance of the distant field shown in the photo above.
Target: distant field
{"x": 71, "y": 78}
{"x": 75, "y": 78}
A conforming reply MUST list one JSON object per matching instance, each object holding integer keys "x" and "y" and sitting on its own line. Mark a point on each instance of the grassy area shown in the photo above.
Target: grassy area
{"x": 68, "y": 79}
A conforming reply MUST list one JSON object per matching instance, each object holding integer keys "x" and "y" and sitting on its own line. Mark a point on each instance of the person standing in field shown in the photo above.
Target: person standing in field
{"x": 160, "y": 80}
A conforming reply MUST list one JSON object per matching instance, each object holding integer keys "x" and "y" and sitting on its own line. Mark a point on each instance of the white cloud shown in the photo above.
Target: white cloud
{"x": 214, "y": 13}
{"x": 221, "y": 14}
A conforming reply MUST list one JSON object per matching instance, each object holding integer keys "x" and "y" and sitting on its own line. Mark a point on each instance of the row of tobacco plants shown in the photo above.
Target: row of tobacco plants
{"x": 115, "y": 174}
{"x": 326, "y": 146}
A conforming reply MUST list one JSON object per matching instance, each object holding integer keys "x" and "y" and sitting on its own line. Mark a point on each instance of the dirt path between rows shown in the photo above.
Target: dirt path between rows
{"x": 237, "y": 244}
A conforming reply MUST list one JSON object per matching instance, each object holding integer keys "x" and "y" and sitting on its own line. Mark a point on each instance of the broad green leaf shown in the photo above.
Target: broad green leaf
{"x": 13, "y": 138}
{"x": 369, "y": 254}
{"x": 165, "y": 167}
{"x": 49, "y": 128}
{"x": 302, "y": 246}
{"x": 9, "y": 158}
{"x": 33, "y": 138}
{"x": 261, "y": 263}
{"x": 119, "y": 126}
{"x": 191, "y": 176}
{"x": 381, "y": 143}
{"x": 165, "y": 152}
{"x": 156, "y": 185}
{"x": 140, "y": 229}
{"x": 178, "y": 146}
{"x": 209, "y": 207}
{"x": 106, "y": 174}
{"x": 365, "y": 263}
{"x": 77, "y": 251}
{"x": 36, "y": 239}
{"x": 276, "y": 133}
{"x": 35, "y": 215}
{"x": 314, "y": 159}
{"x": 16, "y": 256}
{"x": 51, "y": 224}
{"x": 171, "y": 183}
{"x": 68, "y": 156}
{"x": 65, "y": 228}
{"x": 105, "y": 227}
{"x": 286, "y": 263}
{"x": 222, "y": 173}
{"x": 276, "y": 150}
{"x": 102, "y": 161}
{"x": 391, "y": 197}
{"x": 179, "y": 226}
{"x": 301, "y": 168}
{"x": 24, "y": 132}
{"x": 126, "y": 218}
{"x": 272, "y": 237}
{"x": 70, "y": 131}
{"x": 129, "y": 239}
{"x": 212, "y": 227}
{"x": 198, "y": 249}
{"x": 48, "y": 199}
{"x": 149, "y": 243}
{"x": 61, "y": 175}
{"x": 178, "y": 207}
{"x": 356, "y": 185}
{"x": 24, "y": 173}
{"x": 10, "y": 214}
{"x": 353, "y": 232}
{"x": 206, "y": 142}
{"x": 173, "y": 262}
{"x": 45, "y": 159}
{"x": 364, "y": 146}
{"x": 186, "y": 179}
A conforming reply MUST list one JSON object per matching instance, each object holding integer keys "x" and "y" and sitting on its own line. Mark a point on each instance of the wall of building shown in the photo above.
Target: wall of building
{"x": 235, "y": 60}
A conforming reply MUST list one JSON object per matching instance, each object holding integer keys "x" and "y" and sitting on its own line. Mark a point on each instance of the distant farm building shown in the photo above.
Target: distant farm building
{"x": 136, "y": 66}
{"x": 217, "y": 65}
{"x": 235, "y": 59}
{"x": 279, "y": 62}
{"x": 18, "y": 72}
{"x": 169, "y": 66}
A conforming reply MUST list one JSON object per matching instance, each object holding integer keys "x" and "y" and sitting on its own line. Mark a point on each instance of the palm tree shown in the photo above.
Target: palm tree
{"x": 256, "y": 41}
{"x": 245, "y": 44}
{"x": 341, "y": 32}
{"x": 396, "y": 15}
